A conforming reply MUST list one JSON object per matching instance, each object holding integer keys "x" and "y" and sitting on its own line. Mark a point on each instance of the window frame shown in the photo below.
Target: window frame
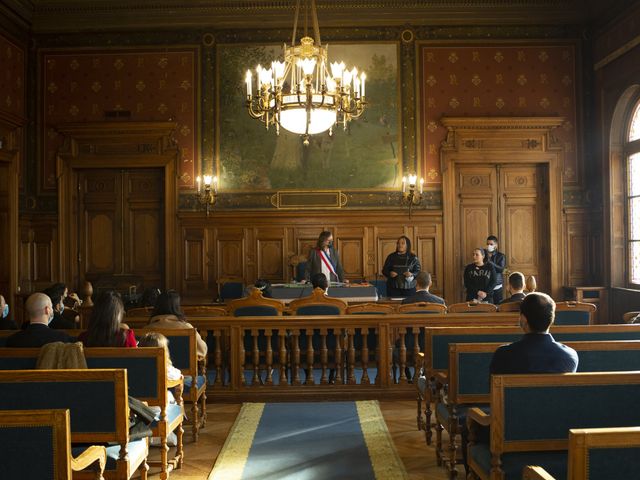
{"x": 630, "y": 149}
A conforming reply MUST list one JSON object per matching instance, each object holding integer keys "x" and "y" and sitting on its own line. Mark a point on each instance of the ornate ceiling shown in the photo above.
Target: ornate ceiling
{"x": 49, "y": 16}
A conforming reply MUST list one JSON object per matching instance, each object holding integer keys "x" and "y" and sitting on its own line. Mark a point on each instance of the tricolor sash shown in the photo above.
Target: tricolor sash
{"x": 327, "y": 262}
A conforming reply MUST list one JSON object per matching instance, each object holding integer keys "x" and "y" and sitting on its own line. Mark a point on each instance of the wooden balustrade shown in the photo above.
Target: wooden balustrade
{"x": 345, "y": 356}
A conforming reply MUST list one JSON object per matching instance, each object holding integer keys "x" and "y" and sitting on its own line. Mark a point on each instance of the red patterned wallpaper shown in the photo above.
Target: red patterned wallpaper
{"x": 501, "y": 80}
{"x": 12, "y": 71}
{"x": 152, "y": 85}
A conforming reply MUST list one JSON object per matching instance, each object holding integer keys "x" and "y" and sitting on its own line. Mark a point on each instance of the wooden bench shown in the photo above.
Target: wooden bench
{"x": 531, "y": 416}
{"x": 438, "y": 339}
{"x": 37, "y": 444}
{"x": 598, "y": 454}
{"x": 184, "y": 356}
{"x": 99, "y": 412}
{"x": 468, "y": 382}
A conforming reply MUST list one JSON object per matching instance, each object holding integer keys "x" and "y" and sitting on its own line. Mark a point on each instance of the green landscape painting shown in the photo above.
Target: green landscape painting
{"x": 365, "y": 156}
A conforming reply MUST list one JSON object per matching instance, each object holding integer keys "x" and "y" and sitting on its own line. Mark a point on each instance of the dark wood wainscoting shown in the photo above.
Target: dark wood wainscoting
{"x": 254, "y": 245}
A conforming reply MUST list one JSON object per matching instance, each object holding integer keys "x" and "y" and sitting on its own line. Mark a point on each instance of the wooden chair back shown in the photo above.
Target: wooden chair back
{"x": 629, "y": 316}
{"x": 318, "y": 298}
{"x": 509, "y": 307}
{"x": 471, "y": 307}
{"x": 197, "y": 310}
{"x": 575, "y": 313}
{"x": 255, "y": 305}
{"x": 365, "y": 308}
{"x": 422, "y": 307}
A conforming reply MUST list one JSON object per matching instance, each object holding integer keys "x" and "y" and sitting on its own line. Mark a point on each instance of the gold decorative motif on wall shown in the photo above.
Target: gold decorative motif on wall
{"x": 11, "y": 78}
{"x": 504, "y": 81}
{"x": 140, "y": 85}
{"x": 309, "y": 200}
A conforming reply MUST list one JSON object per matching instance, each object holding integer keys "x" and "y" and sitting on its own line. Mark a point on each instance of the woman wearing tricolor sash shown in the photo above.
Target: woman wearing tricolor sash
{"x": 324, "y": 259}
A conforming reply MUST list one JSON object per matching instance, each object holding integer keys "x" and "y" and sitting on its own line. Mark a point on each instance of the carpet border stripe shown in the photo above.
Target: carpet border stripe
{"x": 235, "y": 451}
{"x": 385, "y": 461}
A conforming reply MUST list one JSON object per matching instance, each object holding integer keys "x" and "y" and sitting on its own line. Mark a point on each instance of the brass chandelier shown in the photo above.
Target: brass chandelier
{"x": 305, "y": 94}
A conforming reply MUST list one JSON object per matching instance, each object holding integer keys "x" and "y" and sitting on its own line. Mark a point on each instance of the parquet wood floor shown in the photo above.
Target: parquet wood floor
{"x": 419, "y": 460}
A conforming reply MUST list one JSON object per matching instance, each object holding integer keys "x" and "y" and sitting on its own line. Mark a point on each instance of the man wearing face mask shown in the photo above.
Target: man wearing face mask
{"x": 499, "y": 262}
{"x": 324, "y": 259}
{"x": 40, "y": 312}
{"x": 5, "y": 322}
{"x": 59, "y": 322}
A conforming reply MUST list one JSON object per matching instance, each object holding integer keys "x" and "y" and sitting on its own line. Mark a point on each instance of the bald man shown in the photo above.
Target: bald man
{"x": 40, "y": 312}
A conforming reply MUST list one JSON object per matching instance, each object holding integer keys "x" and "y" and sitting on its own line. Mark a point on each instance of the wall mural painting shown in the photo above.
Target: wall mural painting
{"x": 366, "y": 156}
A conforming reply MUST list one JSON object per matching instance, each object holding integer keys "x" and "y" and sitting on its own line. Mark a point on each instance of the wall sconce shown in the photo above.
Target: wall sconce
{"x": 208, "y": 194}
{"x": 411, "y": 197}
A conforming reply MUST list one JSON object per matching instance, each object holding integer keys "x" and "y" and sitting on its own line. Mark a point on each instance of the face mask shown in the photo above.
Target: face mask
{"x": 61, "y": 308}
{"x": 330, "y": 245}
{"x": 50, "y": 317}
{"x": 491, "y": 248}
{"x": 5, "y": 311}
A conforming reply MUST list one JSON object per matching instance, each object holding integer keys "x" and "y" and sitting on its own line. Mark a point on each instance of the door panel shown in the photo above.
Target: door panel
{"x": 121, "y": 237}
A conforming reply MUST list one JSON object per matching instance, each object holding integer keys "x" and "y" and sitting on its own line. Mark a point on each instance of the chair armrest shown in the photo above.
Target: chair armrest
{"x": 535, "y": 473}
{"x": 442, "y": 378}
{"x": 478, "y": 416}
{"x": 178, "y": 388}
{"x": 175, "y": 383}
{"x": 90, "y": 456}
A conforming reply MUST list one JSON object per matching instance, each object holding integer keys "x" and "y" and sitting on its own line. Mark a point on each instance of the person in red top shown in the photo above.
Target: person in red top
{"x": 105, "y": 327}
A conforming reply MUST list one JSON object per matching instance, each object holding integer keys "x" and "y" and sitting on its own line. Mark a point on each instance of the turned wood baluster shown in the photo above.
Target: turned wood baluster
{"x": 324, "y": 356}
{"x": 309, "y": 380}
{"x": 295, "y": 364}
{"x": 403, "y": 356}
{"x": 339, "y": 360}
{"x": 351, "y": 357}
{"x": 364, "y": 354}
{"x": 282, "y": 358}
{"x": 255, "y": 381}
{"x": 241, "y": 355}
{"x": 416, "y": 351}
{"x": 217, "y": 357}
{"x": 269, "y": 358}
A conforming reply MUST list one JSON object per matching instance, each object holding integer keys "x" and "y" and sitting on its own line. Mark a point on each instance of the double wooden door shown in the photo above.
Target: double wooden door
{"x": 511, "y": 202}
{"x": 120, "y": 227}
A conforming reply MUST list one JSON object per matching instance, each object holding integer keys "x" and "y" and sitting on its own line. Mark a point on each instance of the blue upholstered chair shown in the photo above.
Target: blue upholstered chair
{"x": 37, "y": 444}
{"x": 574, "y": 313}
{"x": 230, "y": 289}
{"x": 598, "y": 454}
{"x": 422, "y": 307}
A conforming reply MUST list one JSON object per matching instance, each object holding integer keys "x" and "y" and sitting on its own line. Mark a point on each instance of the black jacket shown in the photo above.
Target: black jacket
{"x": 499, "y": 262}
{"x": 516, "y": 297}
{"x": 60, "y": 322}
{"x": 423, "y": 296}
{"x": 479, "y": 278}
{"x": 400, "y": 263}
{"x": 37, "y": 335}
{"x": 534, "y": 353}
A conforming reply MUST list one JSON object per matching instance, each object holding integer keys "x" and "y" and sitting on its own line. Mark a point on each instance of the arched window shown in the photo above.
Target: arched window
{"x": 632, "y": 154}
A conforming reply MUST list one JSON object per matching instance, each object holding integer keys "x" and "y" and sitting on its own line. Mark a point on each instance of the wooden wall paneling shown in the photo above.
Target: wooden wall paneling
{"x": 578, "y": 248}
{"x": 272, "y": 249}
{"x": 194, "y": 265}
{"x": 38, "y": 252}
{"x": 429, "y": 250}
{"x": 11, "y": 148}
{"x": 231, "y": 253}
{"x": 351, "y": 243}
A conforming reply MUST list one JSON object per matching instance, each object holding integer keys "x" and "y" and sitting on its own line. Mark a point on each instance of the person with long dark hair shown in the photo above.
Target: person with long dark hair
{"x": 167, "y": 313}
{"x": 401, "y": 268}
{"x": 324, "y": 259}
{"x": 105, "y": 324}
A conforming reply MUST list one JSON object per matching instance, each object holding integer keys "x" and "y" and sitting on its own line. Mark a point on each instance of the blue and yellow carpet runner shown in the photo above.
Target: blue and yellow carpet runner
{"x": 332, "y": 440}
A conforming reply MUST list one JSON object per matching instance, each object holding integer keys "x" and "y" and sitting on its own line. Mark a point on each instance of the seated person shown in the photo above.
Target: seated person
{"x": 264, "y": 286}
{"x": 319, "y": 280}
{"x": 56, "y": 294}
{"x": 423, "y": 283}
{"x": 37, "y": 333}
{"x": 537, "y": 351}
{"x": 105, "y": 324}
{"x": 149, "y": 297}
{"x": 515, "y": 288}
{"x": 168, "y": 314}
{"x": 5, "y": 322}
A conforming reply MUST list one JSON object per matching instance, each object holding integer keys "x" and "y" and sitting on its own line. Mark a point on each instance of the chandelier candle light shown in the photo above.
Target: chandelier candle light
{"x": 208, "y": 195}
{"x": 300, "y": 94}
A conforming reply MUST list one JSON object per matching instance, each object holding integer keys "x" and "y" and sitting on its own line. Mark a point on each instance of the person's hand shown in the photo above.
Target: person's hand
{"x": 303, "y": 281}
{"x": 481, "y": 295}
{"x": 393, "y": 274}
{"x": 407, "y": 274}
{"x": 346, "y": 281}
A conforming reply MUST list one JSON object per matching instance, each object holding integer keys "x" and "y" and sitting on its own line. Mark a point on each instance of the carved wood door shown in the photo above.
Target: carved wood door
{"x": 121, "y": 232}
{"x": 511, "y": 202}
